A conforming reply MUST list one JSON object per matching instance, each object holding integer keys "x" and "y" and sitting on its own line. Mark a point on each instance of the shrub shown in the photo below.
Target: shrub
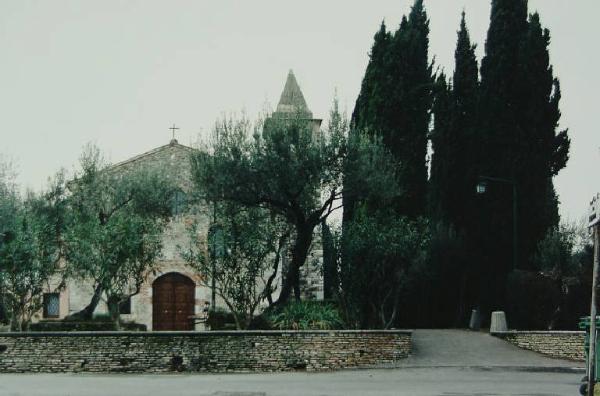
{"x": 306, "y": 315}
{"x": 260, "y": 322}
{"x": 220, "y": 319}
{"x": 58, "y": 325}
{"x": 100, "y": 322}
{"x": 532, "y": 300}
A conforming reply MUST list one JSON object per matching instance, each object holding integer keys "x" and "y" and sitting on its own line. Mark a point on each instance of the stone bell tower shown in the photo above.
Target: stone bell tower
{"x": 292, "y": 104}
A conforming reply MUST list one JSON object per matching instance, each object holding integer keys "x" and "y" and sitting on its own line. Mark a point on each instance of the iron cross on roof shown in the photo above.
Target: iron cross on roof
{"x": 173, "y": 129}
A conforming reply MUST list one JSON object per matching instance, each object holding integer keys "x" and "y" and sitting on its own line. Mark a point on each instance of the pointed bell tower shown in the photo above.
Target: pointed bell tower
{"x": 292, "y": 104}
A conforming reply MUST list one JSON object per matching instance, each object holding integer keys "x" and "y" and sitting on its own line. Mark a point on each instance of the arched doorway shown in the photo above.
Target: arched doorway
{"x": 173, "y": 300}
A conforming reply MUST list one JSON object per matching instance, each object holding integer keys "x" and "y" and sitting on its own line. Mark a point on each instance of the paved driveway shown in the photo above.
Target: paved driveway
{"x": 445, "y": 363}
{"x": 463, "y": 348}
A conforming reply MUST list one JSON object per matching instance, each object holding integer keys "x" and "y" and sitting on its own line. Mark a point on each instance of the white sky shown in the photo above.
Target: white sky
{"x": 119, "y": 73}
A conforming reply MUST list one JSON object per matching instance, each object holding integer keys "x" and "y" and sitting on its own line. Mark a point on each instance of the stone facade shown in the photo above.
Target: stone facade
{"x": 235, "y": 351}
{"x": 557, "y": 344}
{"x": 173, "y": 160}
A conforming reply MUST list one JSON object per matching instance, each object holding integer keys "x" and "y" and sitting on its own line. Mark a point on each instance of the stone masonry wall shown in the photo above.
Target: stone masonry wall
{"x": 557, "y": 344}
{"x": 236, "y": 351}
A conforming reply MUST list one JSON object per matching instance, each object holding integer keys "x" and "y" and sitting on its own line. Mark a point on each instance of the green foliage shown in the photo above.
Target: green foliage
{"x": 381, "y": 254}
{"x": 306, "y": 315}
{"x": 519, "y": 116}
{"x": 97, "y": 323}
{"x": 532, "y": 300}
{"x": 221, "y": 319}
{"x": 115, "y": 226}
{"x": 455, "y": 158}
{"x": 243, "y": 247}
{"x": 290, "y": 169}
{"x": 554, "y": 254}
{"x": 395, "y": 101}
{"x": 279, "y": 165}
{"x": 453, "y": 208}
{"x": 557, "y": 293}
{"x": 31, "y": 248}
{"x": 394, "y": 107}
{"x": 448, "y": 263}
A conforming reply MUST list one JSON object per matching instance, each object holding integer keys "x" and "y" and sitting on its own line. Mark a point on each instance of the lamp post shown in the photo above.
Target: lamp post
{"x": 481, "y": 188}
{"x": 594, "y": 224}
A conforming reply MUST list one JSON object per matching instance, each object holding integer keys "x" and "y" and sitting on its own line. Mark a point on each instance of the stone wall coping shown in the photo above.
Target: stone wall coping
{"x": 233, "y": 333}
{"x": 542, "y": 332}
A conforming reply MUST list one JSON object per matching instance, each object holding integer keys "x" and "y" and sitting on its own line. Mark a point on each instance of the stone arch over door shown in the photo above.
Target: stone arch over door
{"x": 173, "y": 301}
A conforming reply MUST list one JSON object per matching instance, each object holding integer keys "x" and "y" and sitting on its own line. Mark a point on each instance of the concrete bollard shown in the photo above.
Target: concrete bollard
{"x": 475, "y": 322}
{"x": 498, "y": 323}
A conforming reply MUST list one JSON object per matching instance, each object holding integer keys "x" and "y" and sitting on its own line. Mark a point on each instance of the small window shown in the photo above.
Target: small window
{"x": 178, "y": 203}
{"x": 216, "y": 241}
{"x": 125, "y": 306}
{"x": 4, "y": 319}
{"x": 51, "y": 305}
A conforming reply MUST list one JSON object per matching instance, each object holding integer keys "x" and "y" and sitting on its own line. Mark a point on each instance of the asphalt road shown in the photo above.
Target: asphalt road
{"x": 447, "y": 381}
{"x": 444, "y": 363}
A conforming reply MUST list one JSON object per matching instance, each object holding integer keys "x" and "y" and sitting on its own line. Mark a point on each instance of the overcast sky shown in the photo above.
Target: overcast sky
{"x": 119, "y": 73}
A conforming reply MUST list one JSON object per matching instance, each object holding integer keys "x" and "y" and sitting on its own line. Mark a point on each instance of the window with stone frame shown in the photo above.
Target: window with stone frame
{"x": 125, "y": 306}
{"x": 4, "y": 319}
{"x": 51, "y": 305}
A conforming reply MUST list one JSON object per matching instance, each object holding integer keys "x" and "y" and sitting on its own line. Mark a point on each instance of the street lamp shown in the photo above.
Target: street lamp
{"x": 481, "y": 188}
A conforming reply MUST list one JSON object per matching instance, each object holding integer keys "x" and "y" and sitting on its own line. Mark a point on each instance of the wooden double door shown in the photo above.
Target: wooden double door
{"x": 173, "y": 301}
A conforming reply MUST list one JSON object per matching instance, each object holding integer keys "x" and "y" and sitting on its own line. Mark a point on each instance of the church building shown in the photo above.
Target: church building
{"x": 173, "y": 296}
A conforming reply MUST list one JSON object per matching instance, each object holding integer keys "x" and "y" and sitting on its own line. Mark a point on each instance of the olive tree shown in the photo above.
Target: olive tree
{"x": 240, "y": 257}
{"x": 286, "y": 167}
{"x": 113, "y": 238}
{"x": 31, "y": 248}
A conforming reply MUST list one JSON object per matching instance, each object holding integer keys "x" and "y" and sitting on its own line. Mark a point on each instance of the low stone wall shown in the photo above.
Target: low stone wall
{"x": 232, "y": 351}
{"x": 557, "y": 344}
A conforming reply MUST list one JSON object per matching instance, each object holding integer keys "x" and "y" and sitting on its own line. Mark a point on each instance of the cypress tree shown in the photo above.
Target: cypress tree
{"x": 452, "y": 180}
{"x": 367, "y": 110}
{"x": 543, "y": 151}
{"x": 499, "y": 101}
{"x": 406, "y": 111}
{"x": 519, "y": 142}
{"x": 442, "y": 159}
{"x": 452, "y": 167}
{"x": 371, "y": 97}
{"x": 395, "y": 101}
{"x": 394, "y": 104}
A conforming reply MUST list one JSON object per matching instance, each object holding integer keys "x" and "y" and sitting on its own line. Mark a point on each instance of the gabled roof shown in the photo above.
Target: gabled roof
{"x": 172, "y": 145}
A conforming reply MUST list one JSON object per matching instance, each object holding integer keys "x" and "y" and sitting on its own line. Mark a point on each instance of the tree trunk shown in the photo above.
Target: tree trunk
{"x": 25, "y": 322}
{"x": 87, "y": 312}
{"x": 113, "y": 310}
{"x": 269, "y": 285}
{"x": 19, "y": 320}
{"x": 296, "y": 283}
{"x": 291, "y": 281}
{"x": 15, "y": 318}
